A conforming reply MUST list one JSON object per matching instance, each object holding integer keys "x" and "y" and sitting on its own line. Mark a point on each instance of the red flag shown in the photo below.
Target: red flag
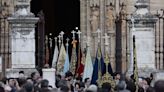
{"x": 80, "y": 63}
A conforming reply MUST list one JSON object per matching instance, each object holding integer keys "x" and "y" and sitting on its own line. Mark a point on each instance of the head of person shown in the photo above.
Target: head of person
{"x": 11, "y": 82}
{"x": 121, "y": 85}
{"x": 68, "y": 76}
{"x": 106, "y": 86}
{"x": 117, "y": 76}
{"x": 87, "y": 81}
{"x": 35, "y": 75}
{"x": 2, "y": 89}
{"x": 21, "y": 74}
{"x": 29, "y": 87}
{"x": 92, "y": 88}
{"x": 82, "y": 86}
{"x": 29, "y": 80}
{"x": 64, "y": 89}
{"x": 78, "y": 79}
{"x": 44, "y": 83}
{"x": 150, "y": 89}
{"x": 159, "y": 86}
{"x": 21, "y": 81}
{"x": 77, "y": 86}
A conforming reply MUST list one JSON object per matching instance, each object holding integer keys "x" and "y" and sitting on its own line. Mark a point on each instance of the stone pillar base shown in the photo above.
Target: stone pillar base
{"x": 49, "y": 74}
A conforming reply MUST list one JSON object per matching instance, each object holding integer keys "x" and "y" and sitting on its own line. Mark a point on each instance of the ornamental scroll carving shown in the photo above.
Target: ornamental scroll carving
{"x": 94, "y": 18}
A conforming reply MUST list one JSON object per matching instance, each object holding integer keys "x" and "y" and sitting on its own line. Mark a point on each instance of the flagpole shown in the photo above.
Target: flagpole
{"x": 73, "y": 57}
{"x": 55, "y": 38}
{"x": 62, "y": 33}
{"x": 67, "y": 44}
{"x": 106, "y": 37}
{"x": 135, "y": 64}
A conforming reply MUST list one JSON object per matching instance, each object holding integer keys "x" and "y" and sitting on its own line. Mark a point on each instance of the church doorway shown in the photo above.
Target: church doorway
{"x": 59, "y": 15}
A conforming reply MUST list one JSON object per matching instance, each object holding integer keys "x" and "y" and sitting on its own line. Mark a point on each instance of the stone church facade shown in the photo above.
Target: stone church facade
{"x": 108, "y": 16}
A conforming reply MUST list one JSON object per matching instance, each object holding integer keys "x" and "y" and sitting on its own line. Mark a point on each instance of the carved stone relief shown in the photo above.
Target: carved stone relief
{"x": 94, "y": 3}
{"x": 110, "y": 18}
{"x": 94, "y": 18}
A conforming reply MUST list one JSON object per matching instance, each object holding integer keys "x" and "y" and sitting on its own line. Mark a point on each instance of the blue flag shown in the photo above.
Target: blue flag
{"x": 99, "y": 67}
{"x": 66, "y": 64}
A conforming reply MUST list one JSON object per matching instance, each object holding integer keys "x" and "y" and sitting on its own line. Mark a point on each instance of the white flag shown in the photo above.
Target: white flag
{"x": 55, "y": 57}
{"x": 61, "y": 60}
{"x": 88, "y": 68}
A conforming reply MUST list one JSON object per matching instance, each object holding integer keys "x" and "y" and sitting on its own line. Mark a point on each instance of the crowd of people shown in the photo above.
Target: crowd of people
{"x": 68, "y": 83}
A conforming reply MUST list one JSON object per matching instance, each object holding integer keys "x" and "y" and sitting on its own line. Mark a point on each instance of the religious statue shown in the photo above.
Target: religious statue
{"x": 123, "y": 12}
{"x": 110, "y": 19}
{"x": 94, "y": 19}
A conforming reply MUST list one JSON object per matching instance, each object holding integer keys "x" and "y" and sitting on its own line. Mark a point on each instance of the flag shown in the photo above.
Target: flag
{"x": 99, "y": 67}
{"x": 55, "y": 56}
{"x": 73, "y": 58}
{"x": 80, "y": 64}
{"x": 47, "y": 56}
{"x": 88, "y": 68}
{"x": 66, "y": 64}
{"x": 61, "y": 59}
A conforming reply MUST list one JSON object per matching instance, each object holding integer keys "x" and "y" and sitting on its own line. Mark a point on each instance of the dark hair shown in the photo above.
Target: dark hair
{"x": 21, "y": 82}
{"x": 114, "y": 74}
{"x": 68, "y": 74}
{"x": 106, "y": 86}
{"x": 2, "y": 89}
{"x": 121, "y": 85}
{"x": 44, "y": 83}
{"x": 33, "y": 74}
{"x": 82, "y": 84}
{"x": 77, "y": 84}
{"x": 21, "y": 72}
{"x": 159, "y": 86}
{"x": 86, "y": 79}
{"x": 64, "y": 89}
{"x": 140, "y": 89}
{"x": 79, "y": 78}
{"x": 28, "y": 78}
{"x": 150, "y": 89}
{"x": 28, "y": 87}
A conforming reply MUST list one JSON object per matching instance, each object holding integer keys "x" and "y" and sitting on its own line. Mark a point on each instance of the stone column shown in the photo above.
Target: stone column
{"x": 82, "y": 21}
{"x": 142, "y": 26}
{"x": 22, "y": 37}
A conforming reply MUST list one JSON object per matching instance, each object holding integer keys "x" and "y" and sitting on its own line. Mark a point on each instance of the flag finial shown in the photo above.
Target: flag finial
{"x": 62, "y": 33}
{"x": 73, "y": 33}
{"x": 67, "y": 44}
{"x": 79, "y": 34}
